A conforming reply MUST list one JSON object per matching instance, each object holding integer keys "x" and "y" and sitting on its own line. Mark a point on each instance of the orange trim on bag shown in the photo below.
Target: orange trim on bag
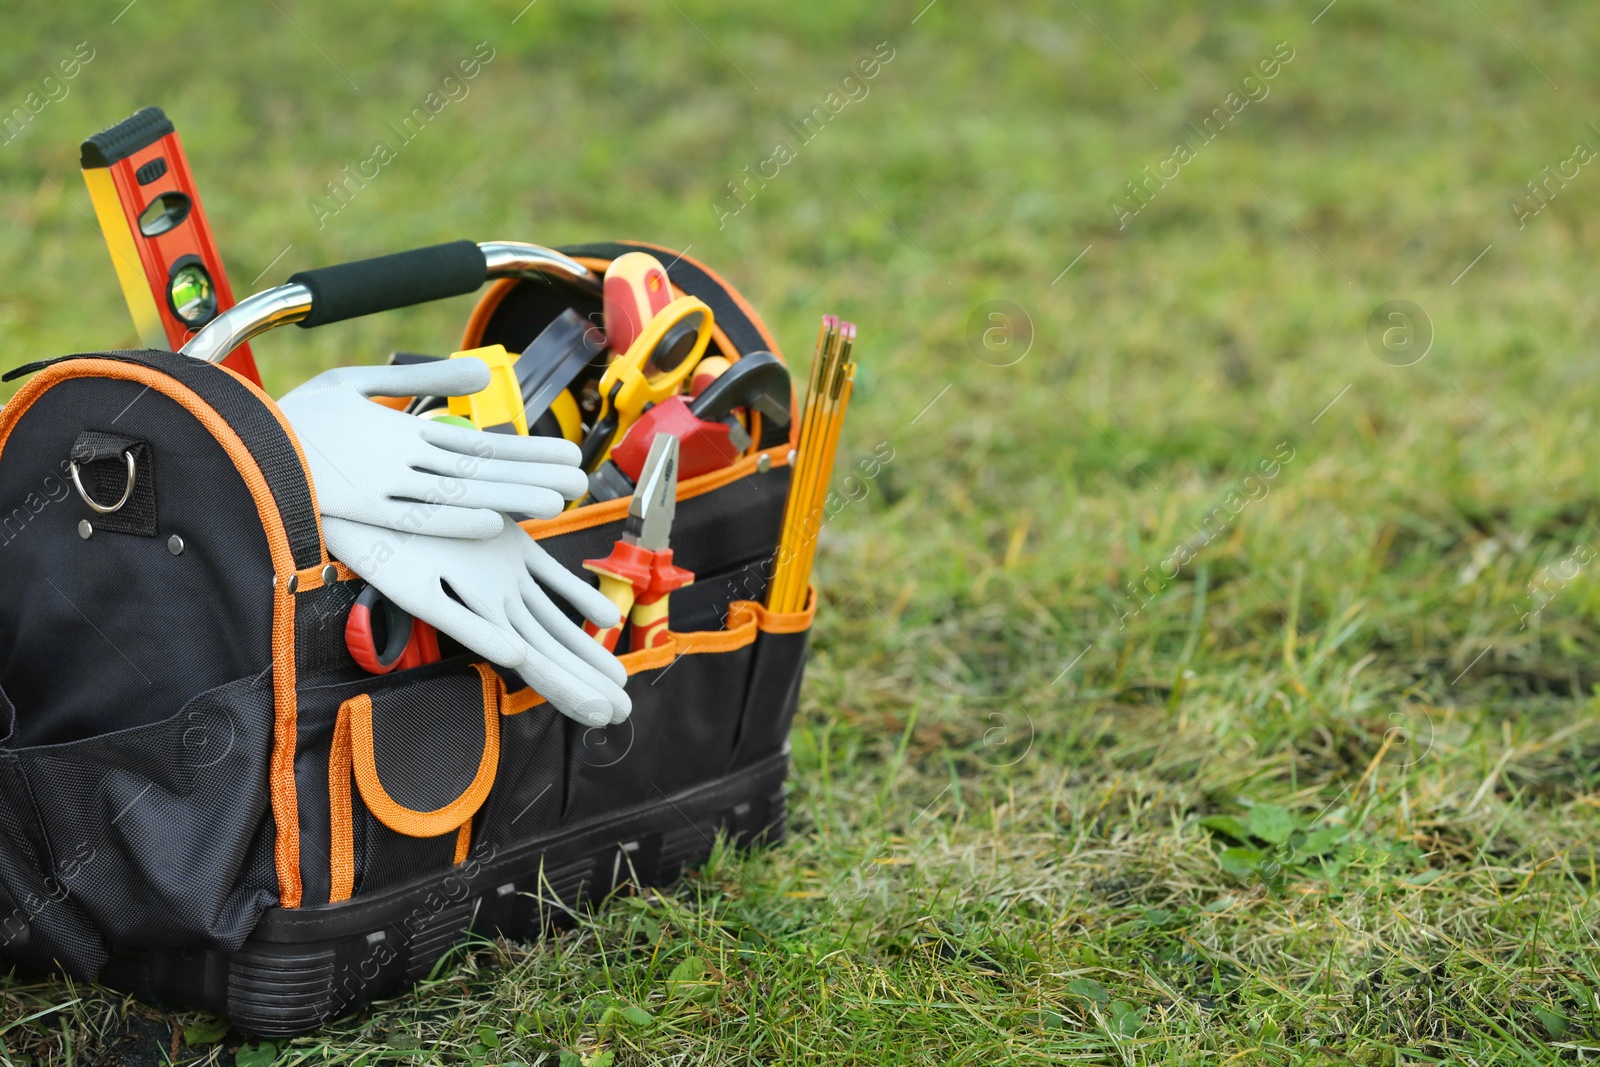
{"x": 788, "y": 622}
{"x": 341, "y": 820}
{"x": 408, "y": 821}
{"x": 285, "y": 808}
{"x": 746, "y": 619}
{"x": 286, "y": 724}
{"x": 463, "y": 841}
{"x": 520, "y": 701}
{"x": 649, "y": 659}
{"x": 483, "y": 310}
{"x": 310, "y": 579}
{"x": 591, "y": 515}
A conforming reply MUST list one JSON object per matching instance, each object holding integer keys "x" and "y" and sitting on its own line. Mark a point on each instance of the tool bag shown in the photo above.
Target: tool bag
{"x": 206, "y": 802}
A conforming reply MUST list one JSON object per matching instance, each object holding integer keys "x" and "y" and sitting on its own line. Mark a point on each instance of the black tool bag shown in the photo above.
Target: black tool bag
{"x": 205, "y": 801}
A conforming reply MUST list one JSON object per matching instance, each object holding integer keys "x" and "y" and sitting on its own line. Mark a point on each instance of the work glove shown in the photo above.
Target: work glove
{"x": 374, "y": 465}
{"x": 499, "y": 608}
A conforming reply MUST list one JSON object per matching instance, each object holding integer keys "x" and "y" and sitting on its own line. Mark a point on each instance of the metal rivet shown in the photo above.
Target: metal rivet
{"x": 85, "y": 530}
{"x": 763, "y": 463}
{"x": 330, "y": 574}
{"x": 791, "y": 457}
{"x": 293, "y": 584}
{"x": 175, "y": 545}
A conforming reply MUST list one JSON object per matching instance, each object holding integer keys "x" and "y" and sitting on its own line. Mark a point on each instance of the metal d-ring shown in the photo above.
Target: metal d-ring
{"x": 127, "y": 493}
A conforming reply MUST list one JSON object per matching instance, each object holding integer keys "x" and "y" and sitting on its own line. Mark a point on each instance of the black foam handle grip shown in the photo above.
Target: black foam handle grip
{"x": 384, "y": 283}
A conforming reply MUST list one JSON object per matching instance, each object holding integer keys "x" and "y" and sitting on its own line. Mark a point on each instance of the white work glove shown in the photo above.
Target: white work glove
{"x": 378, "y": 466}
{"x": 500, "y": 609}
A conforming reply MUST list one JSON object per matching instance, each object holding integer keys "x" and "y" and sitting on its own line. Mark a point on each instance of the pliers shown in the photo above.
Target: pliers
{"x": 639, "y": 575}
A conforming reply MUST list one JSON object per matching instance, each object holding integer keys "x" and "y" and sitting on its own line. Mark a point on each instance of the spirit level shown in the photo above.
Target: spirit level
{"x": 156, "y": 230}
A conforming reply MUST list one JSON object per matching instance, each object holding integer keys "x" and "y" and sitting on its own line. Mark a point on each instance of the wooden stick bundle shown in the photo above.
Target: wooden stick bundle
{"x": 827, "y": 398}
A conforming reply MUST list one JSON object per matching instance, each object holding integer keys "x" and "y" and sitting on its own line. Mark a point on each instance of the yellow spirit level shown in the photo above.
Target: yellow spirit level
{"x": 161, "y": 246}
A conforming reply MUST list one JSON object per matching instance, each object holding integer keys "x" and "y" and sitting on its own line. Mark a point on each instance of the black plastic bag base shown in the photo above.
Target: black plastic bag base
{"x": 305, "y": 967}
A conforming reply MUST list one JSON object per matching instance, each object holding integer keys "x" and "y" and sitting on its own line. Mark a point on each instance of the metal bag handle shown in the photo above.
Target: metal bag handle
{"x": 385, "y": 283}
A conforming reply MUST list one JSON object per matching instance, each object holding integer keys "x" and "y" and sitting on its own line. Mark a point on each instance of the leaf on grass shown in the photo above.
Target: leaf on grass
{"x": 1271, "y": 823}
{"x": 1427, "y": 877}
{"x": 1323, "y": 839}
{"x": 1554, "y": 1023}
{"x": 1240, "y": 862}
{"x": 570, "y": 1059}
{"x": 1126, "y": 1019}
{"x": 637, "y": 1015}
{"x": 1088, "y": 989}
{"x": 487, "y": 1035}
{"x": 692, "y": 969}
{"x": 601, "y": 1059}
{"x": 262, "y": 1055}
{"x": 1226, "y": 824}
{"x": 688, "y": 980}
{"x": 208, "y": 1032}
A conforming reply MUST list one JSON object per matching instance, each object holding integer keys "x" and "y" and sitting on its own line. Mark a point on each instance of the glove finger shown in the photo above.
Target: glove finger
{"x": 445, "y": 377}
{"x": 496, "y": 643}
{"x": 569, "y": 635}
{"x": 424, "y": 517}
{"x": 569, "y": 587}
{"x": 419, "y": 592}
{"x": 566, "y": 479}
{"x": 443, "y": 493}
{"x": 565, "y": 694}
{"x": 544, "y": 643}
{"x": 532, "y": 500}
{"x": 506, "y": 446}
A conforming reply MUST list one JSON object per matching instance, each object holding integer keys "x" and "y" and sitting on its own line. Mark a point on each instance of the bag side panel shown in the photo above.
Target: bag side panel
{"x": 115, "y": 630}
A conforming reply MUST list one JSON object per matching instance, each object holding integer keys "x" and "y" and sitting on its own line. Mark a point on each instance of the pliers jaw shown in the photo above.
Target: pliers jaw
{"x": 639, "y": 575}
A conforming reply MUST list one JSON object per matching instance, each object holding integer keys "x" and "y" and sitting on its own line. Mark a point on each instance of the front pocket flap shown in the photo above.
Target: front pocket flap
{"x": 424, "y": 756}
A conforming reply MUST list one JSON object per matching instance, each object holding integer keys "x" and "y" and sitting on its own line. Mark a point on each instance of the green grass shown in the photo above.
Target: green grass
{"x": 1323, "y": 798}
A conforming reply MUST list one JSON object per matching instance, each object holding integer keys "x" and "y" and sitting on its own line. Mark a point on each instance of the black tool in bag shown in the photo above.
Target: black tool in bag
{"x": 205, "y": 801}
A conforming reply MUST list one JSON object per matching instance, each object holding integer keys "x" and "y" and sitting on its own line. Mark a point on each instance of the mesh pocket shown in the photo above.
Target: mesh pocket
{"x": 151, "y": 837}
{"x": 681, "y": 733}
{"x": 531, "y": 790}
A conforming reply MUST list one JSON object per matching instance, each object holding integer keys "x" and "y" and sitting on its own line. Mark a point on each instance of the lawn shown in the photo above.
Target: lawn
{"x": 1209, "y": 675}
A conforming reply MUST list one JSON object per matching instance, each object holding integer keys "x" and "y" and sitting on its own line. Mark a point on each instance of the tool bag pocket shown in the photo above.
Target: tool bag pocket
{"x": 411, "y": 761}
{"x": 141, "y": 655}
{"x": 105, "y": 841}
{"x": 704, "y": 703}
